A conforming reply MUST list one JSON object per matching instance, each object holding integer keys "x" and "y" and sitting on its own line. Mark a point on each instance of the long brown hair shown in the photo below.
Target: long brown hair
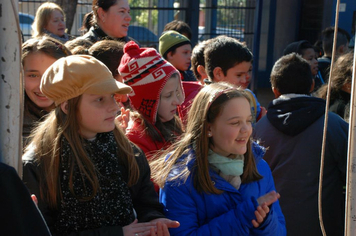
{"x": 341, "y": 75}
{"x": 46, "y": 142}
{"x": 205, "y": 109}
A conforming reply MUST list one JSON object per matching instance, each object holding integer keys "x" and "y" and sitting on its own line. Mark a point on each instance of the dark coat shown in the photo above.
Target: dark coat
{"x": 292, "y": 132}
{"x": 18, "y": 215}
{"x": 144, "y": 197}
{"x": 95, "y": 34}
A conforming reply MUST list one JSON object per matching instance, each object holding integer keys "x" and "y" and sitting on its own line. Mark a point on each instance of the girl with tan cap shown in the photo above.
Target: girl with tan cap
{"x": 88, "y": 178}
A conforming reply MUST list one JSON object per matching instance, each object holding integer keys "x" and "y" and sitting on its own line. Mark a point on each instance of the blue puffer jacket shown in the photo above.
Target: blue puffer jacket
{"x": 229, "y": 213}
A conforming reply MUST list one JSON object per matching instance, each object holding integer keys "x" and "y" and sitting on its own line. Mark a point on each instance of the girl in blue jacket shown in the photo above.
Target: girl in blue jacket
{"x": 214, "y": 180}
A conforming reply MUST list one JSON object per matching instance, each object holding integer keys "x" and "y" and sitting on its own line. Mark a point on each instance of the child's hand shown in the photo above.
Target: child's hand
{"x": 169, "y": 223}
{"x": 262, "y": 210}
{"x": 260, "y": 214}
{"x": 161, "y": 230}
{"x": 162, "y": 225}
{"x": 268, "y": 198}
{"x": 139, "y": 229}
{"x": 123, "y": 119}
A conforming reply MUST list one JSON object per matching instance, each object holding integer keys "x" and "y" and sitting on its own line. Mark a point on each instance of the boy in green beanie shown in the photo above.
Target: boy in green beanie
{"x": 177, "y": 49}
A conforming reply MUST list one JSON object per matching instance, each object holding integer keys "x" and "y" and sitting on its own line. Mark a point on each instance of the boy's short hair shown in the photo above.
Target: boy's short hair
{"x": 292, "y": 74}
{"x": 298, "y": 47}
{"x": 343, "y": 38}
{"x": 170, "y": 41}
{"x": 225, "y": 52}
{"x": 197, "y": 58}
{"x": 179, "y": 26}
{"x": 108, "y": 52}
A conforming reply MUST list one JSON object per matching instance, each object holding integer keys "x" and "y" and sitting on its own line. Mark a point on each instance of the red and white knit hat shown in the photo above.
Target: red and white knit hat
{"x": 147, "y": 73}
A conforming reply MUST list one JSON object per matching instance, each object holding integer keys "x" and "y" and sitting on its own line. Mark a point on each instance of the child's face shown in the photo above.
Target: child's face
{"x": 35, "y": 64}
{"x": 171, "y": 97}
{"x": 120, "y": 97}
{"x": 309, "y": 55}
{"x": 56, "y": 24}
{"x": 232, "y": 129}
{"x": 97, "y": 114}
{"x": 238, "y": 75}
{"x": 181, "y": 58}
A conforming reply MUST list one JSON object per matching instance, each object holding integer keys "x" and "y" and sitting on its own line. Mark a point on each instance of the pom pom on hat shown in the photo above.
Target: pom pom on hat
{"x": 147, "y": 73}
{"x": 171, "y": 40}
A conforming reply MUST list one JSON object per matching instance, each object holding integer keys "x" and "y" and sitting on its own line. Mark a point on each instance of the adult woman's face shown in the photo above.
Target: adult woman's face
{"x": 56, "y": 24}
{"x": 116, "y": 20}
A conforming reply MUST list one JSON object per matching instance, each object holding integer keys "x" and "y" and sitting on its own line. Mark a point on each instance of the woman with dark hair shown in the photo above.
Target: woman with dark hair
{"x": 110, "y": 20}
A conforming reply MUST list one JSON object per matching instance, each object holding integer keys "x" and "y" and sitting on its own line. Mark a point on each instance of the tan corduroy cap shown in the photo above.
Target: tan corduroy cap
{"x": 71, "y": 76}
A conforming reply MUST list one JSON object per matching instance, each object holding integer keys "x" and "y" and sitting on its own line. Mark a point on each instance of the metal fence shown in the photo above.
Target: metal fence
{"x": 234, "y": 18}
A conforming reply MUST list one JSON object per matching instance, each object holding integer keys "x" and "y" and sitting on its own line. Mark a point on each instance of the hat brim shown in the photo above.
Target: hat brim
{"x": 109, "y": 86}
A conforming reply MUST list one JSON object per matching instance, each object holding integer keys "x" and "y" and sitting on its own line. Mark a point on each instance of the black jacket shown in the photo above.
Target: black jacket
{"x": 18, "y": 214}
{"x": 144, "y": 197}
{"x": 95, "y": 34}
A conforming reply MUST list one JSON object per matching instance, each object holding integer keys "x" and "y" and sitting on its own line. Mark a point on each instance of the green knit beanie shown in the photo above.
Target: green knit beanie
{"x": 171, "y": 40}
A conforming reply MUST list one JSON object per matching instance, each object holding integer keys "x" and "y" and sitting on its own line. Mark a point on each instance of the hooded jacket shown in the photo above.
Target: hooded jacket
{"x": 292, "y": 132}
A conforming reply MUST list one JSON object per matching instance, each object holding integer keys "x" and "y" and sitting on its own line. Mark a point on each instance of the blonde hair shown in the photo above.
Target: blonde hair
{"x": 46, "y": 145}
{"x": 207, "y": 106}
{"x": 43, "y": 16}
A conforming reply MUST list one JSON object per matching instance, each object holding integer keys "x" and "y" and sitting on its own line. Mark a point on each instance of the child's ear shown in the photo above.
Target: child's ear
{"x": 342, "y": 49}
{"x": 218, "y": 74}
{"x": 169, "y": 56}
{"x": 276, "y": 92}
{"x": 209, "y": 133}
{"x": 202, "y": 72}
{"x": 100, "y": 12}
{"x": 64, "y": 107}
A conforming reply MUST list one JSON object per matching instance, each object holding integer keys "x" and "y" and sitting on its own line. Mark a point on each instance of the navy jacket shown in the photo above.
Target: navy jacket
{"x": 292, "y": 132}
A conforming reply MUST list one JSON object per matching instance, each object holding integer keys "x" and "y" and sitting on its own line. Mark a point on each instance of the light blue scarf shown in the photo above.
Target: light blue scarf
{"x": 227, "y": 166}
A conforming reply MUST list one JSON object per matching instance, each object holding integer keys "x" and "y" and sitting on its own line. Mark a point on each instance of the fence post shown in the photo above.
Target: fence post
{"x": 193, "y": 20}
{"x": 164, "y": 16}
{"x": 256, "y": 44}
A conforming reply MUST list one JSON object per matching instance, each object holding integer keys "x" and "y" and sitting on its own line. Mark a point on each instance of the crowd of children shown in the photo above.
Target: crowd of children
{"x": 121, "y": 139}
